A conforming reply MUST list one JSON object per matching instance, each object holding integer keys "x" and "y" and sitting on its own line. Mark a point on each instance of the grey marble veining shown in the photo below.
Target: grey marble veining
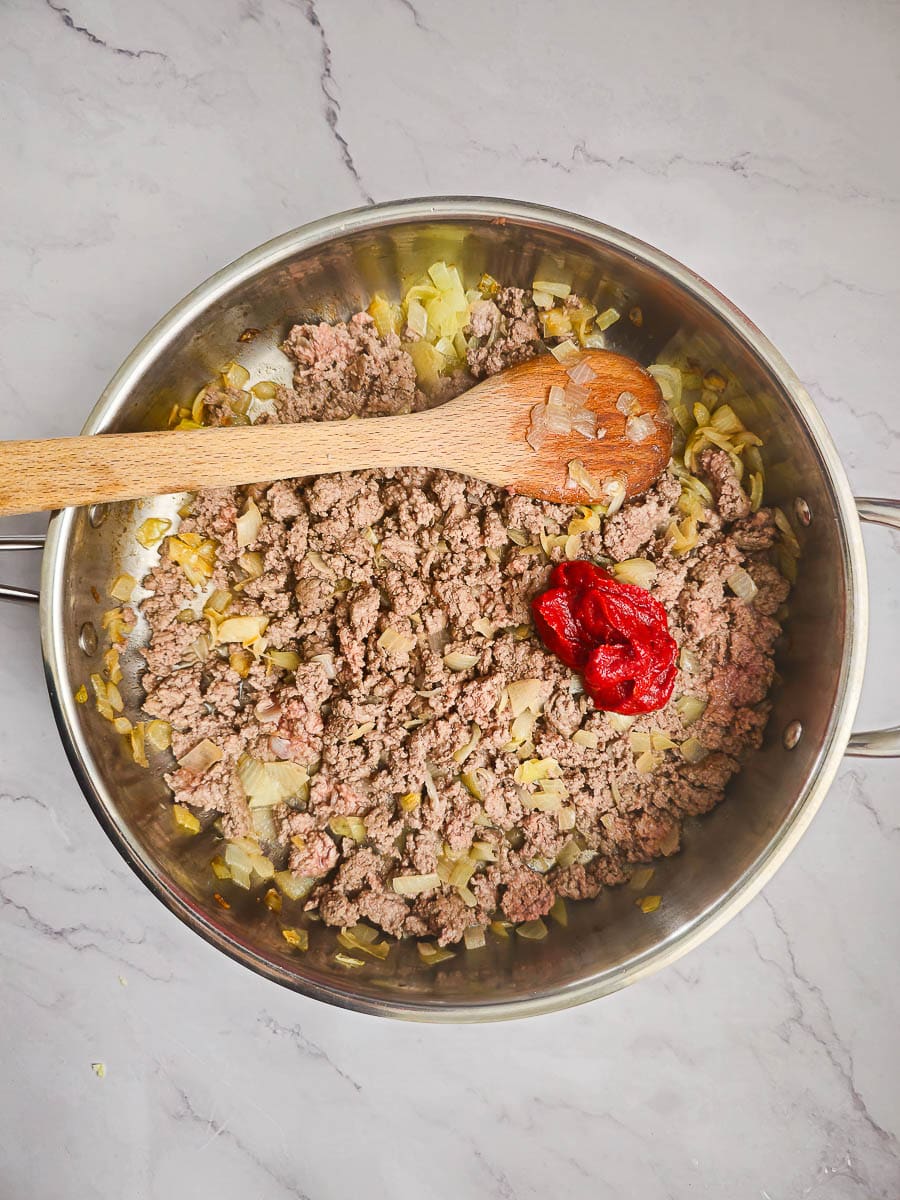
{"x": 146, "y": 145}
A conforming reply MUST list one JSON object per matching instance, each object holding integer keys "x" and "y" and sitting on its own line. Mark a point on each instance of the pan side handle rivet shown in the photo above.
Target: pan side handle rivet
{"x": 87, "y": 639}
{"x": 97, "y": 515}
{"x": 792, "y": 735}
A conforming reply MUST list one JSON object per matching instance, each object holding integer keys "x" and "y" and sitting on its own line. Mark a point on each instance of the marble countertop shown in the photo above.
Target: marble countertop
{"x": 145, "y": 146}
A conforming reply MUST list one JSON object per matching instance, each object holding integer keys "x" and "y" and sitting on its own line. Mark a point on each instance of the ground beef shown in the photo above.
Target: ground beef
{"x": 344, "y": 370}
{"x": 731, "y": 499}
{"x": 506, "y": 331}
{"x": 372, "y": 578}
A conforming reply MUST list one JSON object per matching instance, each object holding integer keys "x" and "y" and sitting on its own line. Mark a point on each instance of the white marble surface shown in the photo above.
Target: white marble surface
{"x": 144, "y": 146}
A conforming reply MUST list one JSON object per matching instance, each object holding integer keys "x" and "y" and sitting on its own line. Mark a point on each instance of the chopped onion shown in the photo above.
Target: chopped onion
{"x": 264, "y": 825}
{"x": 587, "y": 738}
{"x": 416, "y": 317}
{"x": 535, "y": 769}
{"x": 725, "y": 420}
{"x": 474, "y": 937}
{"x": 267, "y": 710}
{"x": 482, "y": 852}
{"x": 614, "y": 490}
{"x": 585, "y": 422}
{"x": 471, "y": 781}
{"x": 638, "y": 429}
{"x": 646, "y": 763}
{"x": 299, "y": 939}
{"x": 240, "y": 662}
{"x": 692, "y": 751}
{"x": 236, "y": 376}
{"x": 429, "y": 784}
{"x": 316, "y": 560}
{"x": 620, "y": 722}
{"x": 199, "y": 649}
{"x": 410, "y": 801}
{"x": 460, "y": 755}
{"x": 756, "y": 491}
{"x": 742, "y": 585}
{"x": 576, "y": 395}
{"x": 588, "y": 522}
{"x": 347, "y": 960}
{"x": 123, "y": 587}
{"x": 640, "y": 878}
{"x": 669, "y": 380}
{"x": 542, "y": 801}
{"x": 639, "y": 742}
{"x": 364, "y": 938}
{"x": 580, "y": 477}
{"x": 159, "y": 734}
{"x": 266, "y": 389}
{"x": 714, "y": 380}
{"x": 359, "y": 731}
{"x": 566, "y": 352}
{"x": 251, "y": 563}
{"x": 559, "y": 290}
{"x": 239, "y": 862}
{"x": 219, "y": 868}
{"x": 248, "y": 525}
{"x": 241, "y": 629}
{"x": 627, "y": 404}
{"x": 690, "y": 661}
{"x": 458, "y": 661}
{"x": 608, "y": 317}
{"x": 266, "y": 784}
{"x": 218, "y": 603}
{"x": 672, "y": 840}
{"x": 393, "y": 642}
{"x": 690, "y": 708}
{"x": 533, "y": 930}
{"x": 566, "y": 819}
{"x": 541, "y": 299}
{"x": 431, "y": 954}
{"x": 524, "y": 694}
{"x": 581, "y": 373}
{"x": 204, "y": 755}
{"x": 138, "y": 752}
{"x": 288, "y": 660}
{"x": 787, "y": 532}
{"x": 326, "y": 661}
{"x": 661, "y": 741}
{"x": 294, "y": 887}
{"x": 349, "y": 827}
{"x": 415, "y": 885}
{"x": 152, "y": 531}
{"x": 639, "y": 571}
{"x": 538, "y": 430}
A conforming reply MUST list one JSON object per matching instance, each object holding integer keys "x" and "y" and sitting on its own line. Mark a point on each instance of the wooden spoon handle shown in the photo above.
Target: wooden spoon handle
{"x": 40, "y": 475}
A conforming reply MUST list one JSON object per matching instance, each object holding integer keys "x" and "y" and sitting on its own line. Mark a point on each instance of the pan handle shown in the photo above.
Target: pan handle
{"x": 877, "y": 743}
{"x": 20, "y": 541}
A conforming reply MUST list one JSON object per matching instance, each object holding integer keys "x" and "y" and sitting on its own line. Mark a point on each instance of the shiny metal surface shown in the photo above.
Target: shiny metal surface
{"x": 329, "y": 269}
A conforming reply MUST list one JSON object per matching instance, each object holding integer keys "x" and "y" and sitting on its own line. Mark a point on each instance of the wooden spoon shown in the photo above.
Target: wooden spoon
{"x": 480, "y": 433}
